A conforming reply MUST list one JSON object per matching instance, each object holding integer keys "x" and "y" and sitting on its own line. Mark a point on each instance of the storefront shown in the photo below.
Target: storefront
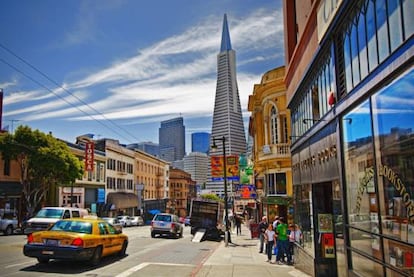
{"x": 352, "y": 156}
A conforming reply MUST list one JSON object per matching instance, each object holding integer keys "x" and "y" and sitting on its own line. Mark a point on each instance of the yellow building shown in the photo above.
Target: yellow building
{"x": 270, "y": 129}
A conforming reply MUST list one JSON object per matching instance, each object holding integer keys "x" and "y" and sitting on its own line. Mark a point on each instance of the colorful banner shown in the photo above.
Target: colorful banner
{"x": 232, "y": 168}
{"x": 89, "y": 156}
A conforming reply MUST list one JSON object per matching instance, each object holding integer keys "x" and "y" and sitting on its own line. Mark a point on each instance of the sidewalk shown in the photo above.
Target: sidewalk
{"x": 242, "y": 258}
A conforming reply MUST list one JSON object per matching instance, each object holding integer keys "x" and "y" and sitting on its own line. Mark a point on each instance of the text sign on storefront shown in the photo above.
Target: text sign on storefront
{"x": 89, "y": 151}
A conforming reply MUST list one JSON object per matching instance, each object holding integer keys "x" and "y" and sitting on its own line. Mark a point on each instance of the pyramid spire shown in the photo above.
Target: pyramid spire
{"x": 225, "y": 36}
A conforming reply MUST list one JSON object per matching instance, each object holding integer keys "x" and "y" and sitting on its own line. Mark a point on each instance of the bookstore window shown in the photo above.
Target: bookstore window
{"x": 394, "y": 137}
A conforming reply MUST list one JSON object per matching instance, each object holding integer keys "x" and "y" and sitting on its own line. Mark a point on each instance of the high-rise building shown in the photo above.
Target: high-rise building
{"x": 200, "y": 142}
{"x": 147, "y": 146}
{"x": 196, "y": 164}
{"x": 172, "y": 139}
{"x": 227, "y": 116}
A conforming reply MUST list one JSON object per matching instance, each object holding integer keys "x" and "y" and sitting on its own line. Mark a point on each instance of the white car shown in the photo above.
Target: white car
{"x": 136, "y": 221}
{"x": 125, "y": 220}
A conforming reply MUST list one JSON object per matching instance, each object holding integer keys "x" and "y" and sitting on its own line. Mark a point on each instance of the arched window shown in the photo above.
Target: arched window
{"x": 274, "y": 132}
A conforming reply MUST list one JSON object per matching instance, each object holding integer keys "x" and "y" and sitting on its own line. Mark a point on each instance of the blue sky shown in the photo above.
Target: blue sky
{"x": 124, "y": 66}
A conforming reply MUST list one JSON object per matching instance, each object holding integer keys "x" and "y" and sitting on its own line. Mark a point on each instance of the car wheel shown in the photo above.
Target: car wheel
{"x": 97, "y": 255}
{"x": 9, "y": 230}
{"x": 181, "y": 234}
{"x": 43, "y": 260}
{"x": 152, "y": 235}
{"x": 123, "y": 249}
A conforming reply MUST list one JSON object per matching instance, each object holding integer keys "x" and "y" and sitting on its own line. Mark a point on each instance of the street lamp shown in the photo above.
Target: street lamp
{"x": 227, "y": 238}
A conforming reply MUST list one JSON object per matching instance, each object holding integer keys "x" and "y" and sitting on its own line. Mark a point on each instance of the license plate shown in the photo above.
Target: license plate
{"x": 52, "y": 242}
{"x": 45, "y": 252}
{"x": 161, "y": 224}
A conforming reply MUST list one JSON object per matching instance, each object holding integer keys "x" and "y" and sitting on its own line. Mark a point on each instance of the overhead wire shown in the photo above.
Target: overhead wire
{"x": 67, "y": 91}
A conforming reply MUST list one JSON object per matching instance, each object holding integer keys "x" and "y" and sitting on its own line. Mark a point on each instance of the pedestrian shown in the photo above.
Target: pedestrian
{"x": 275, "y": 222}
{"x": 291, "y": 243}
{"x": 282, "y": 242}
{"x": 262, "y": 229}
{"x": 270, "y": 237}
{"x": 238, "y": 220}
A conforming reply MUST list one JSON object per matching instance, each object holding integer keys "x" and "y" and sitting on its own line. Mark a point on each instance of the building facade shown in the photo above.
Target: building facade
{"x": 349, "y": 78}
{"x": 181, "y": 189}
{"x": 172, "y": 139}
{"x": 196, "y": 163}
{"x": 88, "y": 192}
{"x": 152, "y": 183}
{"x": 120, "y": 186}
{"x": 200, "y": 142}
{"x": 270, "y": 128}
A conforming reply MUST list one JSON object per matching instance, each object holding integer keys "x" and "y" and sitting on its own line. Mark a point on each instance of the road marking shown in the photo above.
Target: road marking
{"x": 141, "y": 266}
{"x": 13, "y": 265}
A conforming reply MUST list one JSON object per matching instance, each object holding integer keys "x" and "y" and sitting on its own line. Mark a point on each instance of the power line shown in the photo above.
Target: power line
{"x": 64, "y": 89}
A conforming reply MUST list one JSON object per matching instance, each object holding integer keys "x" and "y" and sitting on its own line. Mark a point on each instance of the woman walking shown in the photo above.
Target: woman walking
{"x": 270, "y": 237}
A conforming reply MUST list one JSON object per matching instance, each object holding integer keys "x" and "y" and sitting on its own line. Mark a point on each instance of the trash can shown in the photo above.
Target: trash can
{"x": 254, "y": 230}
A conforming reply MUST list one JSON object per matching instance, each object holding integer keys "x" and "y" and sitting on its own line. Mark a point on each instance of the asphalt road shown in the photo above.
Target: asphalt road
{"x": 146, "y": 256}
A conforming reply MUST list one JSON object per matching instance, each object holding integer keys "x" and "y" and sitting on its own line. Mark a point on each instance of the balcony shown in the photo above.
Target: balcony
{"x": 274, "y": 151}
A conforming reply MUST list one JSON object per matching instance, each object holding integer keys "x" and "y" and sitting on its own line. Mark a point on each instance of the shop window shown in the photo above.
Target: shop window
{"x": 407, "y": 8}
{"x": 303, "y": 216}
{"x": 365, "y": 267}
{"x": 394, "y": 133}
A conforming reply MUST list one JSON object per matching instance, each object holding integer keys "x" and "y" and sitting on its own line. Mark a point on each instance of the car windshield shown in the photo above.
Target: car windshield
{"x": 161, "y": 217}
{"x": 73, "y": 226}
{"x": 50, "y": 213}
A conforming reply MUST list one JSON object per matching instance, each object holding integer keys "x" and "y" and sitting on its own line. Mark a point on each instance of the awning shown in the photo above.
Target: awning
{"x": 10, "y": 189}
{"x": 122, "y": 200}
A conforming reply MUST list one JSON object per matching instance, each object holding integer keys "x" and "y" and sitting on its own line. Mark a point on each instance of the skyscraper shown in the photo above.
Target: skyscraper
{"x": 227, "y": 116}
{"x": 171, "y": 137}
{"x": 200, "y": 142}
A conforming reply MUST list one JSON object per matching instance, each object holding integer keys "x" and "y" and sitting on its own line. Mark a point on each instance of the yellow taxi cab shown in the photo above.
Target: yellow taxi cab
{"x": 77, "y": 239}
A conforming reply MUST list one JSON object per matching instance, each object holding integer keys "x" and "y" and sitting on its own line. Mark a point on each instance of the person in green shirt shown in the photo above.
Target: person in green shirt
{"x": 282, "y": 241}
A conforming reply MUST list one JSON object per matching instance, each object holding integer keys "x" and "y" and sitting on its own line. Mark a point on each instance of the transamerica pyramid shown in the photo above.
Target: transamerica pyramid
{"x": 227, "y": 116}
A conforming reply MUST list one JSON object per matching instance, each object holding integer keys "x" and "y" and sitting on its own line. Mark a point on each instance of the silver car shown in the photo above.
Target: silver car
{"x": 114, "y": 222}
{"x": 125, "y": 220}
{"x": 166, "y": 224}
{"x": 136, "y": 221}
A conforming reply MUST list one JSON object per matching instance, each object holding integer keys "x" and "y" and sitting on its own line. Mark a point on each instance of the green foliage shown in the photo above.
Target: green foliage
{"x": 211, "y": 196}
{"x": 44, "y": 162}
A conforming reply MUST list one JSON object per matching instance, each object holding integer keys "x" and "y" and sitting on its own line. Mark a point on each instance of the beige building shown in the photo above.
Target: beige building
{"x": 270, "y": 129}
{"x": 182, "y": 189}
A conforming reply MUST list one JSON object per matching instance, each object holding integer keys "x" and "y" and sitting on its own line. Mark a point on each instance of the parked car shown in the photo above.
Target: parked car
{"x": 166, "y": 224}
{"x": 136, "y": 221}
{"x": 125, "y": 220}
{"x": 76, "y": 239}
{"x": 114, "y": 222}
{"x": 47, "y": 216}
{"x": 8, "y": 225}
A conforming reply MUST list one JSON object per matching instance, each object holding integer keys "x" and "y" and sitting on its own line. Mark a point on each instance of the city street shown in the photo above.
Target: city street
{"x": 166, "y": 256}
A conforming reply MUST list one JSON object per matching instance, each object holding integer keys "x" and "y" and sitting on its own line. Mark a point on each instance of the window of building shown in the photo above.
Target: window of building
{"x": 303, "y": 215}
{"x": 276, "y": 184}
{"x": 274, "y": 128}
{"x": 6, "y": 169}
{"x": 373, "y": 31}
{"x": 379, "y": 187}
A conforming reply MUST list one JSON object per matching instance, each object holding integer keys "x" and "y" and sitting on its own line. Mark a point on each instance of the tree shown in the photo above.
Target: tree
{"x": 211, "y": 196}
{"x": 44, "y": 161}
